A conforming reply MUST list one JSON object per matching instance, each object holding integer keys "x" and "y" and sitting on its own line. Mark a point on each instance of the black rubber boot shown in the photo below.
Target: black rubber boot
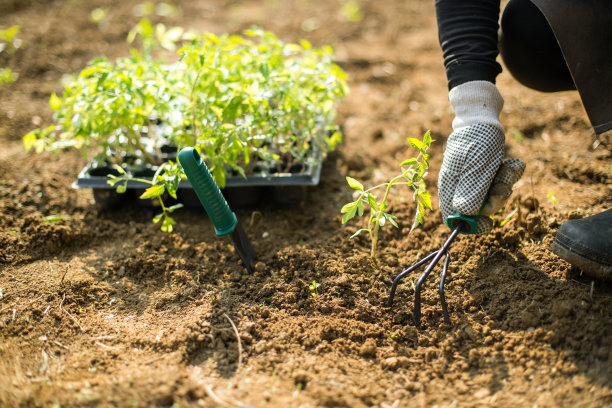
{"x": 587, "y": 244}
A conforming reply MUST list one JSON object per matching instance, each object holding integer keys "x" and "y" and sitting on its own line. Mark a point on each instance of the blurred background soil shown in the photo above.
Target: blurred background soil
{"x": 104, "y": 309}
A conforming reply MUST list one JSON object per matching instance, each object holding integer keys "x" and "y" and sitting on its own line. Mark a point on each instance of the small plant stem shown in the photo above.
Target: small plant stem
{"x": 193, "y": 107}
{"x": 375, "y": 239}
{"x": 376, "y": 215}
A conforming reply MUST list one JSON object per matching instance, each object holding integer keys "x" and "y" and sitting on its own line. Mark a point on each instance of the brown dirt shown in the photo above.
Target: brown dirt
{"x": 103, "y": 309}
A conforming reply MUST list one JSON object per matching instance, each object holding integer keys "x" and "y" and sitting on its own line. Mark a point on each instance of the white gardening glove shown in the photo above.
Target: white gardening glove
{"x": 473, "y": 156}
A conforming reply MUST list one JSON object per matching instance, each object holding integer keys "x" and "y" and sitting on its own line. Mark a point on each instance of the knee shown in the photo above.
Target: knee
{"x": 529, "y": 49}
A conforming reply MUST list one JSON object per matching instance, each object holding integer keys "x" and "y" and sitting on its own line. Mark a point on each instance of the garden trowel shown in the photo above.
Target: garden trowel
{"x": 223, "y": 218}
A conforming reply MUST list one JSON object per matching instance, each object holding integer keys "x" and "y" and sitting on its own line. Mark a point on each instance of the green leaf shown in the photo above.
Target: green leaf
{"x": 153, "y": 192}
{"x": 359, "y": 231}
{"x": 119, "y": 169}
{"x": 354, "y": 183}
{"x": 419, "y": 216}
{"x": 409, "y": 162}
{"x": 508, "y": 217}
{"x": 122, "y": 188}
{"x": 55, "y": 102}
{"x": 219, "y": 176}
{"x": 87, "y": 72}
{"x": 427, "y": 139}
{"x": 425, "y": 200}
{"x": 391, "y": 219}
{"x": 350, "y": 214}
{"x": 426, "y": 160}
{"x": 416, "y": 220}
{"x": 174, "y": 207}
{"x": 168, "y": 224}
{"x": 360, "y": 207}
{"x": 53, "y": 218}
{"x": 171, "y": 190}
{"x": 218, "y": 112}
{"x": 416, "y": 143}
{"x": 348, "y": 207}
{"x": 158, "y": 218}
{"x": 334, "y": 140}
{"x": 372, "y": 202}
{"x": 29, "y": 140}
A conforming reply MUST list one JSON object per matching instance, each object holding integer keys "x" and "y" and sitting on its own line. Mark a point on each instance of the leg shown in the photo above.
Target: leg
{"x": 530, "y": 51}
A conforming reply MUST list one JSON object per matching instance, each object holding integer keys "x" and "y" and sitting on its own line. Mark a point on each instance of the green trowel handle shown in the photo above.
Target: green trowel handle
{"x": 208, "y": 192}
{"x": 470, "y": 220}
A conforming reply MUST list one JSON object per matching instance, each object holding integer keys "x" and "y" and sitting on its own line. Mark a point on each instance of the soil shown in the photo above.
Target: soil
{"x": 101, "y": 308}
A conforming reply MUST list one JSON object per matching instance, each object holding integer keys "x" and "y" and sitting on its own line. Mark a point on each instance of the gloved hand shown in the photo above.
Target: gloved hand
{"x": 473, "y": 156}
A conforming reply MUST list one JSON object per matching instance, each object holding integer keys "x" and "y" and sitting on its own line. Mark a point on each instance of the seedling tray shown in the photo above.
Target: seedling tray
{"x": 284, "y": 188}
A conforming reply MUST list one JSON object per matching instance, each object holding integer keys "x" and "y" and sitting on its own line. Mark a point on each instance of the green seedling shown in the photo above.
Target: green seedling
{"x": 164, "y": 180}
{"x": 413, "y": 173}
{"x": 55, "y": 218}
{"x": 314, "y": 290}
{"x": 351, "y": 11}
{"x": 9, "y": 43}
{"x": 508, "y": 217}
{"x": 7, "y": 76}
{"x": 99, "y": 16}
{"x": 553, "y": 199}
{"x": 239, "y": 100}
{"x": 517, "y": 135}
{"x": 160, "y": 9}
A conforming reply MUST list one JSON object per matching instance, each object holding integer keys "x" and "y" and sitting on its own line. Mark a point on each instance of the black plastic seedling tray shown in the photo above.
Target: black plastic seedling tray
{"x": 282, "y": 188}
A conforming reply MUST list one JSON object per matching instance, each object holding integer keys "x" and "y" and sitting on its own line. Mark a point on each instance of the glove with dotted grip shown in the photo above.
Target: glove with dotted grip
{"x": 472, "y": 168}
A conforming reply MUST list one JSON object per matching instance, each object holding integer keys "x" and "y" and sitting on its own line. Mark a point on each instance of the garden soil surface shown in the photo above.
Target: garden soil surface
{"x": 101, "y": 308}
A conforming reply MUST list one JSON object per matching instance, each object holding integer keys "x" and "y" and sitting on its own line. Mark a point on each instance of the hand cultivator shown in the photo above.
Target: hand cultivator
{"x": 214, "y": 203}
{"x": 460, "y": 224}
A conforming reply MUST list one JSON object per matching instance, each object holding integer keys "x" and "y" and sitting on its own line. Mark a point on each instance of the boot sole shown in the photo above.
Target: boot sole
{"x": 588, "y": 266}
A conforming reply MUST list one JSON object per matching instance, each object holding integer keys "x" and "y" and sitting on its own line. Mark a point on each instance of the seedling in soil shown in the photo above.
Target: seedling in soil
{"x": 553, "y": 199}
{"x": 167, "y": 181}
{"x": 314, "y": 290}
{"x": 508, "y": 217}
{"x": 413, "y": 175}
{"x": 55, "y": 218}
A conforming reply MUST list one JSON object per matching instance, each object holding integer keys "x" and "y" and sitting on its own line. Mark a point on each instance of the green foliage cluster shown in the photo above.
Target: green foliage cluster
{"x": 9, "y": 43}
{"x": 237, "y": 99}
{"x": 413, "y": 173}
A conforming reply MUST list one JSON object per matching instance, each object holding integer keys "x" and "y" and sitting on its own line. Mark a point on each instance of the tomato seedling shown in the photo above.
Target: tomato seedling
{"x": 413, "y": 173}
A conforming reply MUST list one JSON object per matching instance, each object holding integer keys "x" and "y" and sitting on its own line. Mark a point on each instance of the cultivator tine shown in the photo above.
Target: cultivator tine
{"x": 430, "y": 267}
{"x": 404, "y": 273}
{"x": 442, "y": 280}
{"x": 435, "y": 258}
